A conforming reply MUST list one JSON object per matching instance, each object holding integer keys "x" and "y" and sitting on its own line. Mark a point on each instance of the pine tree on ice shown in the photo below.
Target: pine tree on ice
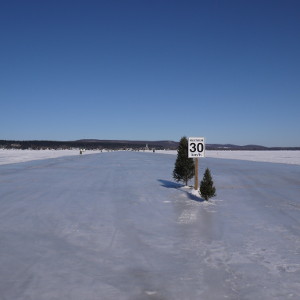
{"x": 184, "y": 167}
{"x": 207, "y": 189}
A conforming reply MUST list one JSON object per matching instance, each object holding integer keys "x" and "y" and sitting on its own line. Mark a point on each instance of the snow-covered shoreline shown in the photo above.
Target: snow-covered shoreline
{"x": 16, "y": 156}
{"x": 284, "y": 156}
{"x": 273, "y": 156}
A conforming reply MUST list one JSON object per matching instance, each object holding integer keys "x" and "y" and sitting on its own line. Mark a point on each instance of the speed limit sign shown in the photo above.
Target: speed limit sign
{"x": 196, "y": 147}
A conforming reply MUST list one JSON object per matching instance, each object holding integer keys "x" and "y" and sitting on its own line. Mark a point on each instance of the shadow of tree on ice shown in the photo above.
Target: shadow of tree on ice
{"x": 173, "y": 185}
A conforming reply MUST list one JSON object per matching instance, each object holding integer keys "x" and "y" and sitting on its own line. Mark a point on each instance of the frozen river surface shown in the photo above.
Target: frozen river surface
{"x": 115, "y": 226}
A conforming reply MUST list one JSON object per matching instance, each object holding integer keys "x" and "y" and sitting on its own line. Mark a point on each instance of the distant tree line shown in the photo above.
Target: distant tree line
{"x": 41, "y": 145}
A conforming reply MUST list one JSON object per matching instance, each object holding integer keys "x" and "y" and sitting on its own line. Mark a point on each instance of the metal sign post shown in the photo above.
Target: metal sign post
{"x": 196, "y": 149}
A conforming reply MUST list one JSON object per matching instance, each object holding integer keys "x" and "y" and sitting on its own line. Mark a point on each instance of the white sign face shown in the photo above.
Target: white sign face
{"x": 196, "y": 147}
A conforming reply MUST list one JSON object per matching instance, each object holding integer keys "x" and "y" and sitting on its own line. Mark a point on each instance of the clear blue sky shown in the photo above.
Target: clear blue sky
{"x": 151, "y": 70}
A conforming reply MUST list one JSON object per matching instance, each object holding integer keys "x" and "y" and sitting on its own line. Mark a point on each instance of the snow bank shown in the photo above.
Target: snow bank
{"x": 284, "y": 156}
{"x": 17, "y": 156}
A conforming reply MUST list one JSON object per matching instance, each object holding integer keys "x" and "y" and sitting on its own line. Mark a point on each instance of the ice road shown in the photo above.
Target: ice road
{"x": 115, "y": 226}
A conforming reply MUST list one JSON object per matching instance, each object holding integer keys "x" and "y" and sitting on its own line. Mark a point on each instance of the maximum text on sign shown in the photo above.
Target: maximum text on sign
{"x": 196, "y": 147}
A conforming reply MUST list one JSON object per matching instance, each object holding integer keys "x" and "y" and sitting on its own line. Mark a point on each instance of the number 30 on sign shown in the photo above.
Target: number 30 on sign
{"x": 196, "y": 147}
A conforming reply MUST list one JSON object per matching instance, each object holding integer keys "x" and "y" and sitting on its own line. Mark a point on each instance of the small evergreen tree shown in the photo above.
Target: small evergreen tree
{"x": 207, "y": 189}
{"x": 184, "y": 167}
